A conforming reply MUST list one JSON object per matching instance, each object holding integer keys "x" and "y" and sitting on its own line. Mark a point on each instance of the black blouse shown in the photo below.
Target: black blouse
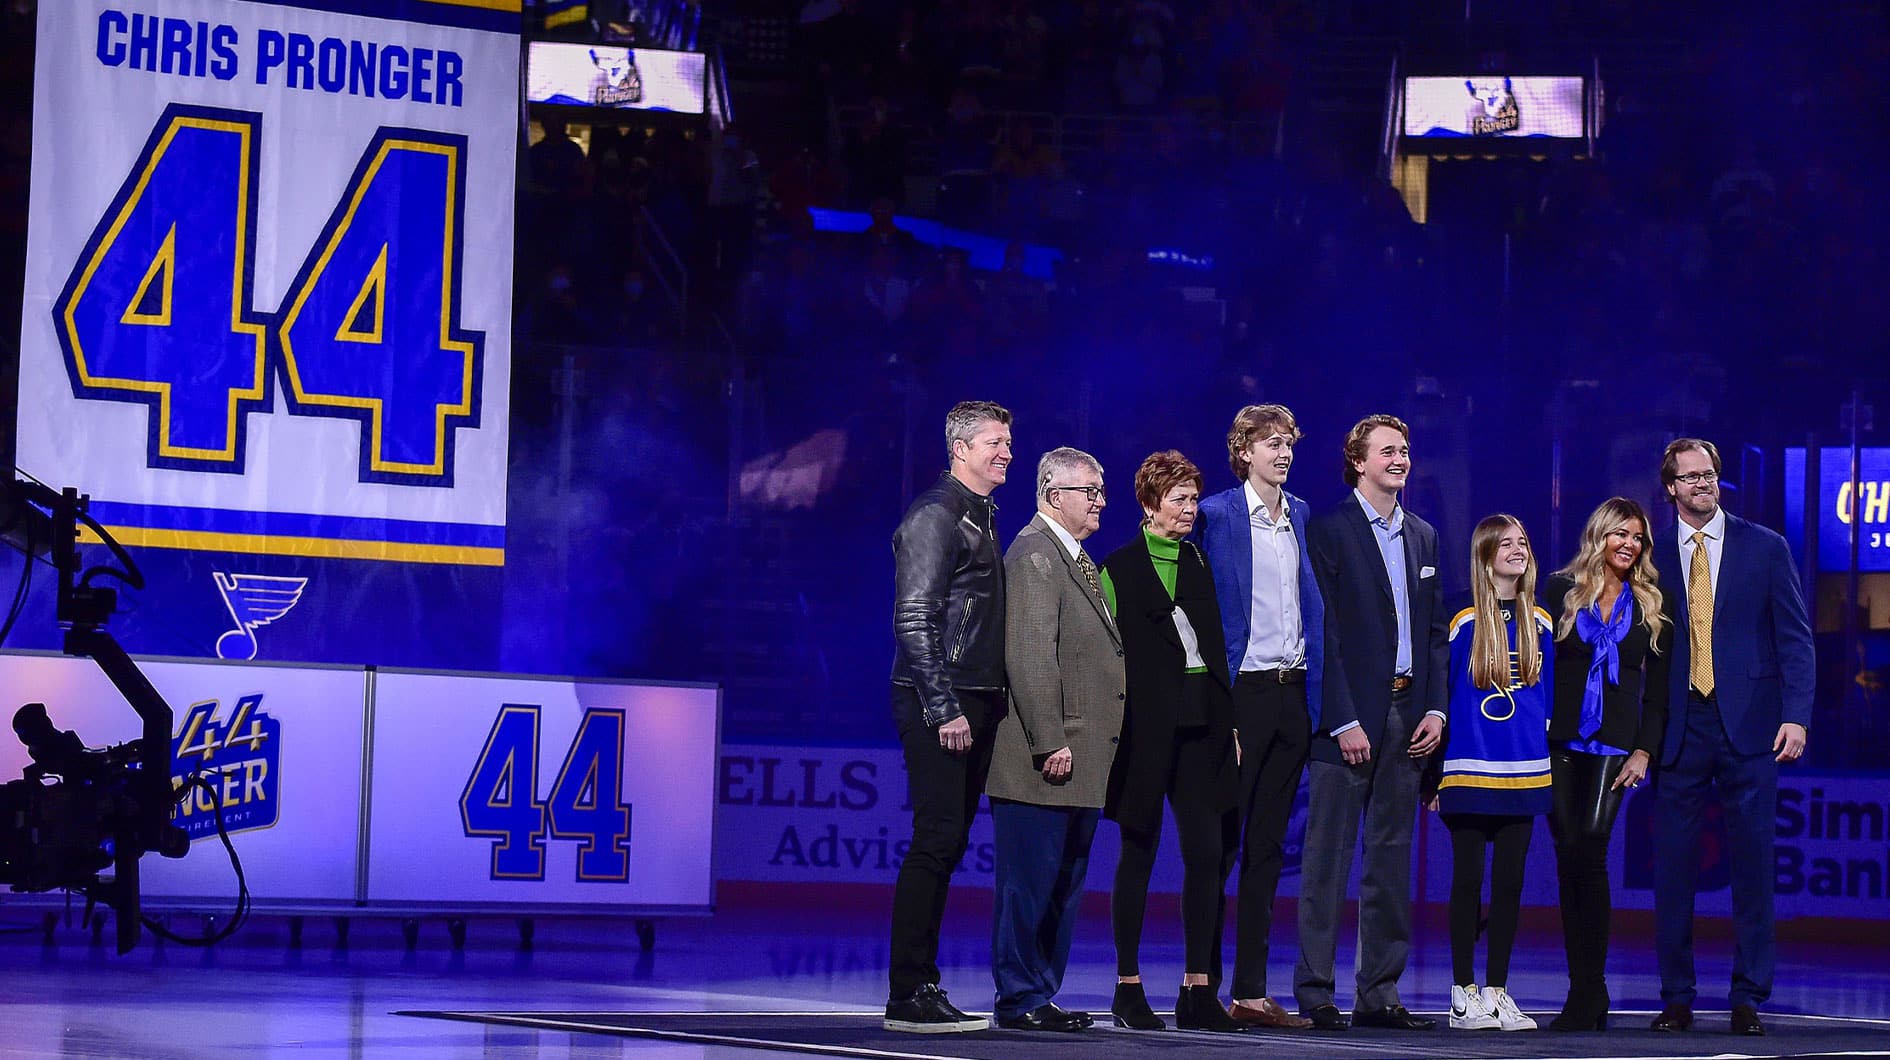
{"x": 1154, "y": 665}
{"x": 1633, "y": 711}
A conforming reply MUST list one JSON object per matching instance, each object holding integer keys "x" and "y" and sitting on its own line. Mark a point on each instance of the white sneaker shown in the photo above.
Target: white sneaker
{"x": 1468, "y": 1012}
{"x": 1503, "y": 1007}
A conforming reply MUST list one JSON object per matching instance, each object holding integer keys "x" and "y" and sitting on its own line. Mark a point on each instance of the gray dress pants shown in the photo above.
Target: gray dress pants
{"x": 1383, "y": 792}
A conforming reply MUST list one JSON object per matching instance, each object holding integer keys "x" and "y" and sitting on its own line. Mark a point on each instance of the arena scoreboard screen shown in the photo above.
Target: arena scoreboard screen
{"x": 589, "y": 75}
{"x": 1494, "y": 107}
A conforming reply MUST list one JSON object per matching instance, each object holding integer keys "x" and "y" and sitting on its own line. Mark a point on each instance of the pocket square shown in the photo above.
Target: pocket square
{"x": 1426, "y": 572}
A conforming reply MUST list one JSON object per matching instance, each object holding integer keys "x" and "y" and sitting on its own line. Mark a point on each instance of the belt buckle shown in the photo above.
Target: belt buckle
{"x": 1401, "y": 683}
{"x": 1279, "y": 675}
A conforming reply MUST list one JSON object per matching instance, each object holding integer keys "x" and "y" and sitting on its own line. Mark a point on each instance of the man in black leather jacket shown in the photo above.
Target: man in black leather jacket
{"x": 947, "y": 695}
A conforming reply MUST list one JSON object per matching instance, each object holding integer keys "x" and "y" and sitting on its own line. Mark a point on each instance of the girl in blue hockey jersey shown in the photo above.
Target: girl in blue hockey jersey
{"x": 1494, "y": 778}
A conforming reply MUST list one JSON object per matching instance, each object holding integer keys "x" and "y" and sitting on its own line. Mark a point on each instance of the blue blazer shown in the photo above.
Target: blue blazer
{"x": 1224, "y": 533}
{"x": 1361, "y": 639}
{"x": 1764, "y": 669}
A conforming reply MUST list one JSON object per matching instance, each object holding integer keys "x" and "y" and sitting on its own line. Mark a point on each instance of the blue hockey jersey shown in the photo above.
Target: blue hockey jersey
{"x": 1496, "y": 749}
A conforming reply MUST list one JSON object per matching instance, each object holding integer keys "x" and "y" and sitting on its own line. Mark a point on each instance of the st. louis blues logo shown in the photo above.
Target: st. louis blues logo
{"x": 254, "y": 600}
{"x": 242, "y": 760}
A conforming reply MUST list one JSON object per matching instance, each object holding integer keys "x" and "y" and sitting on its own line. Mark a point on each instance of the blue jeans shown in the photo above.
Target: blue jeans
{"x": 1042, "y": 858}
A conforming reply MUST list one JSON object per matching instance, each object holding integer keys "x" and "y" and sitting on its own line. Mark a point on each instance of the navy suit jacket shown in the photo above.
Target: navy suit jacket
{"x": 1361, "y": 640}
{"x": 1764, "y": 669}
{"x": 1224, "y": 532}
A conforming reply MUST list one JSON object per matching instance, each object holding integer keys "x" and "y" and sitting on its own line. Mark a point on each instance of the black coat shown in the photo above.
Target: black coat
{"x": 1154, "y": 662}
{"x": 1362, "y": 627}
{"x": 948, "y": 598}
{"x": 1634, "y": 711}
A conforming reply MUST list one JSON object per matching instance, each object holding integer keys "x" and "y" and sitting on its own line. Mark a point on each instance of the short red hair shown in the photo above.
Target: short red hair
{"x": 1160, "y": 473}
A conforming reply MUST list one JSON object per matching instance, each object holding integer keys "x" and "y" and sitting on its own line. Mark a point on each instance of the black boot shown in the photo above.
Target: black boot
{"x": 1199, "y": 1009}
{"x": 1585, "y": 934}
{"x": 1585, "y": 1010}
{"x": 1130, "y": 1008}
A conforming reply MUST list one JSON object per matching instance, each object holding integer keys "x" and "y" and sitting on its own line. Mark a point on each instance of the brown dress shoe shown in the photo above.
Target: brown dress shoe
{"x": 1267, "y": 1013}
{"x": 1673, "y": 1018}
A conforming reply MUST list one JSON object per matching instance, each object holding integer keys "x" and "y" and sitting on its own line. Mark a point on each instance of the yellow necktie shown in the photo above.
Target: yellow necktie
{"x": 1700, "y": 616}
{"x": 1088, "y": 568}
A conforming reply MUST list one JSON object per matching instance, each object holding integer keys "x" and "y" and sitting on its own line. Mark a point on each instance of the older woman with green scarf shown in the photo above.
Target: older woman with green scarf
{"x": 1177, "y": 743}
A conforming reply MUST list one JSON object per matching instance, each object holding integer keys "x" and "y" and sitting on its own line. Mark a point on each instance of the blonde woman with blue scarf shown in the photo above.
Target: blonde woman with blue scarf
{"x": 1612, "y": 647}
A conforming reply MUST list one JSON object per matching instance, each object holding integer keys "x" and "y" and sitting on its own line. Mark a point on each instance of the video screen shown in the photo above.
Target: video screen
{"x": 590, "y": 75}
{"x": 1493, "y": 107}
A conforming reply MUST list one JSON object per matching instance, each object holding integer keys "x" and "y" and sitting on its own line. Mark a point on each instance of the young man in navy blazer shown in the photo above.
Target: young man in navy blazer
{"x": 1382, "y": 709}
{"x": 1254, "y": 536}
{"x": 1743, "y": 666}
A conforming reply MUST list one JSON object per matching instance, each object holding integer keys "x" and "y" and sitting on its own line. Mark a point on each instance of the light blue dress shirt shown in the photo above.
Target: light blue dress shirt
{"x": 1390, "y": 535}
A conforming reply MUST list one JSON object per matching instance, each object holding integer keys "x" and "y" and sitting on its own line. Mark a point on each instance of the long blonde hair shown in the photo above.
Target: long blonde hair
{"x": 1489, "y": 641}
{"x": 1588, "y": 571}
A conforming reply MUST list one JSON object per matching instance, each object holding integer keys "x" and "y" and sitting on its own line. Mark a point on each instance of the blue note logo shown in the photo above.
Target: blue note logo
{"x": 242, "y": 760}
{"x": 254, "y": 600}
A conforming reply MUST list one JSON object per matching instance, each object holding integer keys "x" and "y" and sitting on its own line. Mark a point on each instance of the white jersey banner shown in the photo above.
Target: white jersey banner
{"x": 269, "y": 273}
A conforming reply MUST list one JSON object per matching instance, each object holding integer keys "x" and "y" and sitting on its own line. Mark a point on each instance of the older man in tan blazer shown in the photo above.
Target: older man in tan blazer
{"x": 1050, "y": 765}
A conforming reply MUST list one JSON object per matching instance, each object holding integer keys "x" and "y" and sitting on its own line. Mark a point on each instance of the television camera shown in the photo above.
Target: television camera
{"x": 77, "y": 812}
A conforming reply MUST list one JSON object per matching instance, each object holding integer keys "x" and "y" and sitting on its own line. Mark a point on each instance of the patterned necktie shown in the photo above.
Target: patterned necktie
{"x": 1700, "y": 616}
{"x": 1095, "y": 586}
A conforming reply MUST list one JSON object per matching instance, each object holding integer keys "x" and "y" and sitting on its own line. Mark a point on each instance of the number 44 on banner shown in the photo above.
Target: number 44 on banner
{"x": 159, "y": 308}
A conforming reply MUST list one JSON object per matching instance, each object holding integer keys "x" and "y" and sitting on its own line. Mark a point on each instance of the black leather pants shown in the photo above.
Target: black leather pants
{"x": 1586, "y": 803}
{"x": 1586, "y": 800}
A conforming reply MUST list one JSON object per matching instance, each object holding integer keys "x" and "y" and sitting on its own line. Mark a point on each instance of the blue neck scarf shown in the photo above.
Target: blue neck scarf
{"x": 1605, "y": 638}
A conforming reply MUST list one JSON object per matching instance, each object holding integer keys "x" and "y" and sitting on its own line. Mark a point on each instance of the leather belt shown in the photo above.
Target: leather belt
{"x": 1401, "y": 683}
{"x": 1280, "y": 675}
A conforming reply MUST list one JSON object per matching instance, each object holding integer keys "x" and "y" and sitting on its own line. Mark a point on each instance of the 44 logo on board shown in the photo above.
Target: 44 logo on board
{"x": 501, "y": 801}
{"x": 241, "y": 757}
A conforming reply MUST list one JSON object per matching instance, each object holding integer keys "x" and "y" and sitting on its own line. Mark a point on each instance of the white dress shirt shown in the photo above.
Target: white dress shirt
{"x": 1068, "y": 539}
{"x": 1190, "y": 644}
{"x": 1275, "y": 637}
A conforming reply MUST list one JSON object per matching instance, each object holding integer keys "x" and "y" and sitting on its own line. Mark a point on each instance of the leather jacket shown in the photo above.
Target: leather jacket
{"x": 948, "y": 598}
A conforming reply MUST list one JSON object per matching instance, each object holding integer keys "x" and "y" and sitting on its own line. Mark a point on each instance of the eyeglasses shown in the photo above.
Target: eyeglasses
{"x": 1093, "y": 493}
{"x": 1694, "y": 478}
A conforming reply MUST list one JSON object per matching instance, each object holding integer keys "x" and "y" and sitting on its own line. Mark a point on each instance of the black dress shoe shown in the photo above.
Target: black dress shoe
{"x": 1745, "y": 1020}
{"x": 1675, "y": 1017}
{"x": 1393, "y": 1017}
{"x": 1130, "y": 1009}
{"x": 1326, "y": 1017}
{"x": 1045, "y": 1017}
{"x": 927, "y": 1011}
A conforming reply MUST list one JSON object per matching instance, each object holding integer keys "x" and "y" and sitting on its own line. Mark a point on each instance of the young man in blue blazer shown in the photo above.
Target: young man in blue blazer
{"x": 1744, "y": 668}
{"x": 1254, "y": 536}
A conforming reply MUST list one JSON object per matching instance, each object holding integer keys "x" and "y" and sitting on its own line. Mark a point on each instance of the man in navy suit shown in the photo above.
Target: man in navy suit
{"x": 1743, "y": 665}
{"x": 1382, "y": 710}
{"x": 1254, "y": 536}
